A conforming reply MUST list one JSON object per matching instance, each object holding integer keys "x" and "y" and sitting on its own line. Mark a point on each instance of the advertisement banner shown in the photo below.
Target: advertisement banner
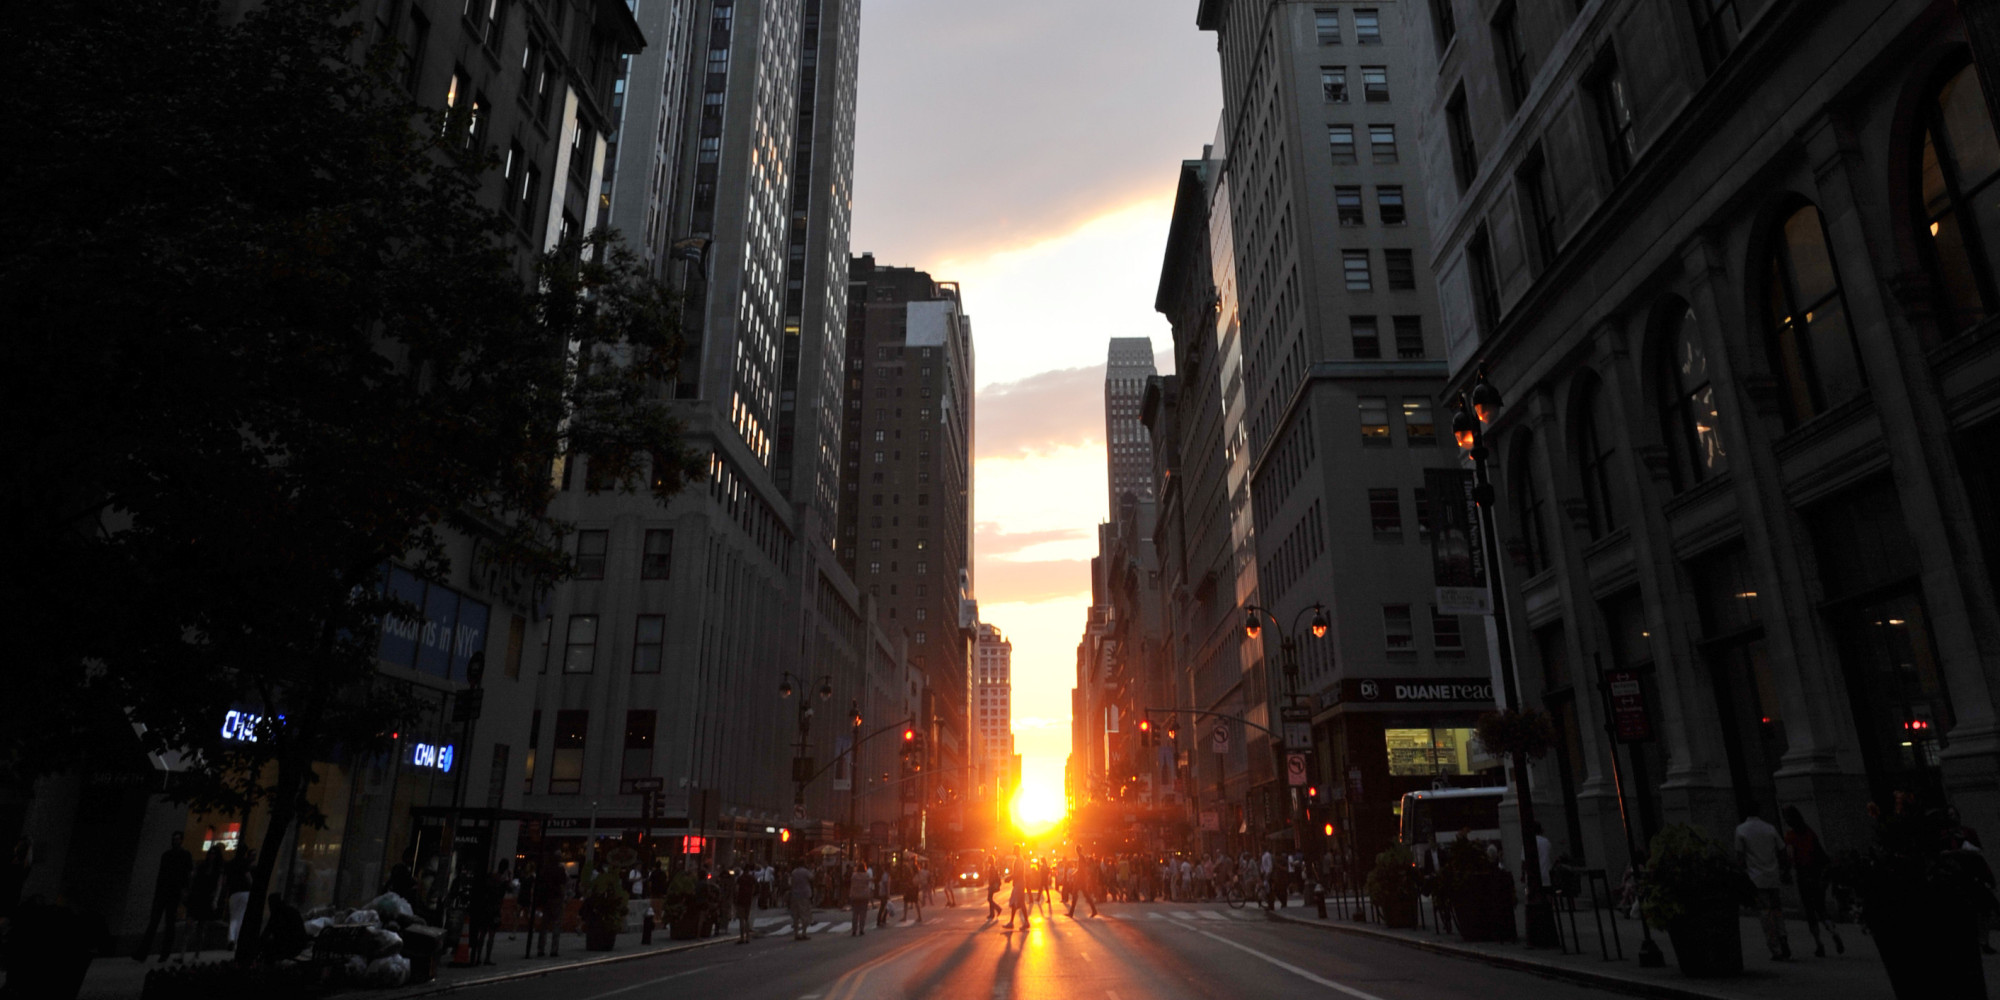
{"x": 1458, "y": 557}
{"x": 843, "y": 779}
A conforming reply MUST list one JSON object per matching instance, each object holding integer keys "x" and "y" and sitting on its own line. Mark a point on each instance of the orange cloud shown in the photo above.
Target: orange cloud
{"x": 1008, "y": 581}
{"x": 1041, "y": 413}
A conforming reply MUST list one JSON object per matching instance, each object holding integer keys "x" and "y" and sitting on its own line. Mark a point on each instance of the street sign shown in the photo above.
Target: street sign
{"x": 1218, "y": 736}
{"x": 1628, "y": 706}
{"x": 648, "y": 784}
{"x": 1354, "y": 783}
{"x": 1297, "y": 726}
{"x": 1211, "y": 820}
{"x": 1295, "y": 770}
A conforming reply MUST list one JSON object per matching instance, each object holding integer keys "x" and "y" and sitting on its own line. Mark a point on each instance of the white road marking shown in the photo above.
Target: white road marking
{"x": 1212, "y": 915}
{"x": 1184, "y": 914}
{"x": 654, "y": 982}
{"x": 1293, "y": 969}
{"x": 1156, "y": 916}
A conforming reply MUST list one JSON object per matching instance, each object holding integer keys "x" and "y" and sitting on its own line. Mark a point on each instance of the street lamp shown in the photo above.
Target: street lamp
{"x": 1253, "y": 626}
{"x": 802, "y": 764}
{"x": 1468, "y": 428}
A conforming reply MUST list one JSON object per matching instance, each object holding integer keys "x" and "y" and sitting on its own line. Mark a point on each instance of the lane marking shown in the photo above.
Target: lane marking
{"x": 654, "y": 982}
{"x": 847, "y": 987}
{"x": 1293, "y": 969}
{"x": 1212, "y": 915}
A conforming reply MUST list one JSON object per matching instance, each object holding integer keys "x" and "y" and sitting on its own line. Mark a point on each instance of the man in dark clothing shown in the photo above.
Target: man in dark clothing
{"x": 746, "y": 901}
{"x": 551, "y": 899}
{"x": 176, "y": 867}
{"x": 992, "y": 890}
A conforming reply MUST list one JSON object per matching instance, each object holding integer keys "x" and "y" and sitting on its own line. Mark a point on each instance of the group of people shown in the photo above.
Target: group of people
{"x": 213, "y": 893}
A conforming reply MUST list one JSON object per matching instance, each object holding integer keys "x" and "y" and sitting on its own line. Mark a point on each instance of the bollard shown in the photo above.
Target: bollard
{"x": 646, "y": 926}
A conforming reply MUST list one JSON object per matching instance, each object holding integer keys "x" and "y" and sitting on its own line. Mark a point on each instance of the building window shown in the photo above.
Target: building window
{"x": 1538, "y": 203}
{"x": 580, "y": 645}
{"x": 1409, "y": 337}
{"x": 1374, "y": 420}
{"x": 874, "y": 569}
{"x": 1385, "y": 514}
{"x": 1419, "y": 428}
{"x": 591, "y": 549}
{"x": 1354, "y": 264}
{"x": 1389, "y": 203}
{"x": 1485, "y": 285}
{"x": 1347, "y": 202}
{"x": 923, "y": 568}
{"x": 1341, "y": 137}
{"x": 1614, "y": 115}
{"x": 566, "y": 763}
{"x": 1812, "y": 343}
{"x": 1511, "y": 54}
{"x": 657, "y": 561}
{"x": 528, "y": 760}
{"x": 923, "y": 637}
{"x": 1422, "y": 498}
{"x": 1528, "y": 507}
{"x": 1595, "y": 452}
{"x": 1445, "y": 634}
{"x": 1367, "y": 339}
{"x": 1961, "y": 161}
{"x": 1375, "y": 84}
{"x": 640, "y": 724}
{"x": 1326, "y": 23}
{"x": 1398, "y": 633}
{"x": 648, "y": 639}
{"x": 1443, "y": 23}
{"x": 414, "y": 51}
{"x": 1382, "y": 143}
{"x": 1367, "y": 26}
{"x": 1402, "y": 269}
{"x": 1717, "y": 27}
{"x": 1464, "y": 154}
{"x": 1688, "y": 417}
{"x": 1333, "y": 80}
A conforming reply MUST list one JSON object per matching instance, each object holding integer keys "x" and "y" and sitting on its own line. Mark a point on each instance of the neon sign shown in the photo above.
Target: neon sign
{"x": 241, "y": 727}
{"x": 432, "y": 756}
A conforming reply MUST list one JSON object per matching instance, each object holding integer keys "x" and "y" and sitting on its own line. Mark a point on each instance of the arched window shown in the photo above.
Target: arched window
{"x": 1688, "y": 417}
{"x": 1595, "y": 450}
{"x": 1960, "y": 224}
{"x": 1528, "y": 505}
{"x": 1812, "y": 341}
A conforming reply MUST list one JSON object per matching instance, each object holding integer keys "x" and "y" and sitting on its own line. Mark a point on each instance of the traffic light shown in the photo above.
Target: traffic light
{"x": 1146, "y": 733}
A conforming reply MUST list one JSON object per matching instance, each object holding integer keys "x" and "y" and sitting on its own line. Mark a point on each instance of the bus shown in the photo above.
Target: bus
{"x": 1434, "y": 818}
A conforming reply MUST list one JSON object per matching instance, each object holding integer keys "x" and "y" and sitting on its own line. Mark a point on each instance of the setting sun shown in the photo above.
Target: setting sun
{"x": 1039, "y": 805}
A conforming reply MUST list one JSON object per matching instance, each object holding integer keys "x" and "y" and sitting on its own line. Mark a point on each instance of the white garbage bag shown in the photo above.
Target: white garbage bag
{"x": 388, "y": 973}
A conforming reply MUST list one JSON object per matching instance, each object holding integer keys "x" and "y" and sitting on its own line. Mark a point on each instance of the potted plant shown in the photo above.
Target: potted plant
{"x": 680, "y": 908}
{"x": 1693, "y": 887}
{"x": 1528, "y": 732}
{"x": 603, "y": 911}
{"x": 1921, "y": 902}
{"x": 1392, "y": 884}
{"x": 1478, "y": 893}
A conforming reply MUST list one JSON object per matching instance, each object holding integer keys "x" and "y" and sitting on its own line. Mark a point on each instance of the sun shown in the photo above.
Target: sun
{"x": 1039, "y": 805}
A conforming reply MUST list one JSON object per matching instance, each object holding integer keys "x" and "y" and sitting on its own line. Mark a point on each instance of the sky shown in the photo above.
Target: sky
{"x": 1030, "y": 149}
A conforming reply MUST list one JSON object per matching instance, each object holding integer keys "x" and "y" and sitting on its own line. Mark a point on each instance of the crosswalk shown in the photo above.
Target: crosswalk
{"x": 1188, "y": 916}
{"x": 781, "y": 923}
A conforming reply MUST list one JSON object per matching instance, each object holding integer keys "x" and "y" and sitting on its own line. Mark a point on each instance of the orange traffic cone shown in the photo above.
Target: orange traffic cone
{"x": 463, "y": 955}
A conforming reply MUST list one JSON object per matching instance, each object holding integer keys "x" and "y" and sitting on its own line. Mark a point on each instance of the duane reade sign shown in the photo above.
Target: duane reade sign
{"x": 1386, "y": 690}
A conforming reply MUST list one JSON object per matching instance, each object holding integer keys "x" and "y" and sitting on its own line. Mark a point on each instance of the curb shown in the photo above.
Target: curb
{"x": 1632, "y": 987}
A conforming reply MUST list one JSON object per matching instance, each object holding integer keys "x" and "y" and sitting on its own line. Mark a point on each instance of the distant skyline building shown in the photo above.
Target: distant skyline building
{"x": 993, "y": 701}
{"x": 1128, "y": 448}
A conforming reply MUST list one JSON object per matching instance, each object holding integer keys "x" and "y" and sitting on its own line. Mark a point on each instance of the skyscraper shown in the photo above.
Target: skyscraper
{"x": 906, "y": 479}
{"x": 1127, "y": 447}
{"x": 993, "y": 703}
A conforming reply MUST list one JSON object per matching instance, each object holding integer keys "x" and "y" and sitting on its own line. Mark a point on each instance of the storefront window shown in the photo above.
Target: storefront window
{"x": 1440, "y": 752}
{"x": 1746, "y": 695}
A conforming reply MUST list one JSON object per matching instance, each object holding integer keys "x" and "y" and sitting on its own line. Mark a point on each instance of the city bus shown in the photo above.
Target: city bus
{"x": 1432, "y": 819}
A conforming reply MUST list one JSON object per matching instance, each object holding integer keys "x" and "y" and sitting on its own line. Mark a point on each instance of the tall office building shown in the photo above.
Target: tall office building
{"x": 1127, "y": 366}
{"x": 667, "y": 655}
{"x": 993, "y": 705}
{"x": 905, "y": 523}
{"x": 1342, "y": 363}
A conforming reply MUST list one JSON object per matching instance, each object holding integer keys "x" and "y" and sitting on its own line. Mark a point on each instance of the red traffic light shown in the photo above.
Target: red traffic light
{"x": 909, "y": 735}
{"x": 1145, "y": 725}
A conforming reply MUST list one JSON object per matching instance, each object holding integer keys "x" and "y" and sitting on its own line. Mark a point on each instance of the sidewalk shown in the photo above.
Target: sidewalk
{"x": 1857, "y": 975}
{"x": 120, "y": 978}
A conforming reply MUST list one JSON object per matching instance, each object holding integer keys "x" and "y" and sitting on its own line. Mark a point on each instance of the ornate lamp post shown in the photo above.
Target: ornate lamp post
{"x": 1468, "y": 428}
{"x": 1253, "y": 625}
{"x": 801, "y": 763}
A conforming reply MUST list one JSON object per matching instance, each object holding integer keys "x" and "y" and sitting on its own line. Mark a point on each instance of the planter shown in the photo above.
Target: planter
{"x": 1929, "y": 957}
{"x": 685, "y": 926}
{"x": 1485, "y": 917}
{"x": 1398, "y": 912}
{"x": 599, "y": 939}
{"x": 1708, "y": 945}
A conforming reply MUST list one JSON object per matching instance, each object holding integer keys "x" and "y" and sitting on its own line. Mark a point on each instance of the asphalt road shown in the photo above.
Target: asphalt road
{"x": 1132, "y": 952}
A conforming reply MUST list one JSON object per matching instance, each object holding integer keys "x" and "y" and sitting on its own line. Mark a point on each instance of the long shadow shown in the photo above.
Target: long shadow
{"x": 928, "y": 980}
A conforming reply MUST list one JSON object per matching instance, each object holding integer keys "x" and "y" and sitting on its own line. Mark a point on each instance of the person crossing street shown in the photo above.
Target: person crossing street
{"x": 801, "y": 900}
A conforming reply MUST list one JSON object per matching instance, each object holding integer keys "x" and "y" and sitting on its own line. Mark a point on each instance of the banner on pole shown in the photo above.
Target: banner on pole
{"x": 1458, "y": 556}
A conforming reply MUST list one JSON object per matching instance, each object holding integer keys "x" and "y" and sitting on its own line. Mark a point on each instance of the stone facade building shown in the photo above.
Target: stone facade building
{"x": 1727, "y": 264}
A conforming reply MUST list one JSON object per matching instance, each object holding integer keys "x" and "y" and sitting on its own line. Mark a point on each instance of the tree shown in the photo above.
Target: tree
{"x": 263, "y": 339}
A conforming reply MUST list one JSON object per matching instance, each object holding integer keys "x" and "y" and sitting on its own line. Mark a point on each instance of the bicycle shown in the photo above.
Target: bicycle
{"x": 1232, "y": 893}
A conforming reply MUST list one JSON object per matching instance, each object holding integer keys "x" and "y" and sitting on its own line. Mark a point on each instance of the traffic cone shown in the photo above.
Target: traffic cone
{"x": 462, "y": 955}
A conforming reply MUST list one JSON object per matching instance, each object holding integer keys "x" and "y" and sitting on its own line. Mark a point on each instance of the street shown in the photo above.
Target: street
{"x": 1133, "y": 952}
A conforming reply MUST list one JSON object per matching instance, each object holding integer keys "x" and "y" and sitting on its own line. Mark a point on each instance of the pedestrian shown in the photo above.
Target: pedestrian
{"x": 488, "y": 892}
{"x": 204, "y": 902}
{"x": 746, "y": 903}
{"x": 1809, "y": 865}
{"x": 551, "y": 901}
{"x": 1020, "y": 900}
{"x": 1080, "y": 888}
{"x": 236, "y": 887}
{"x": 169, "y": 887}
{"x": 885, "y": 885}
{"x": 801, "y": 900}
{"x": 992, "y": 890}
{"x": 917, "y": 893}
{"x": 1762, "y": 851}
{"x": 860, "y": 889}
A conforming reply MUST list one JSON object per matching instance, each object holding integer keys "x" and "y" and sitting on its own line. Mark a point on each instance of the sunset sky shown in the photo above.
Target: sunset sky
{"x": 1030, "y": 150}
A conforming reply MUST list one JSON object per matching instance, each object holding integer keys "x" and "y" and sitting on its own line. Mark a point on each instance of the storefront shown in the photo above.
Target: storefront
{"x": 1386, "y": 736}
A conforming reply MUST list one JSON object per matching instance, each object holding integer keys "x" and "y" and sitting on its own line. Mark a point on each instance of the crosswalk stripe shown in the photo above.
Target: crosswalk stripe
{"x": 1184, "y": 914}
{"x": 1212, "y": 915}
{"x": 1156, "y": 916}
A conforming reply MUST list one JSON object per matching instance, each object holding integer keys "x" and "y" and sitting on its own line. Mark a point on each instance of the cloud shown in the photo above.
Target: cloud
{"x": 1041, "y": 413}
{"x": 1017, "y": 120}
{"x": 1011, "y": 581}
{"x": 991, "y": 540}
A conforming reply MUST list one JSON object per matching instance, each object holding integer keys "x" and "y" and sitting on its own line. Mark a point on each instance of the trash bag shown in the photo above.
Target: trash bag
{"x": 364, "y": 916}
{"x": 353, "y": 968}
{"x": 393, "y": 909}
{"x": 384, "y": 942}
{"x": 387, "y": 973}
{"x": 317, "y": 924}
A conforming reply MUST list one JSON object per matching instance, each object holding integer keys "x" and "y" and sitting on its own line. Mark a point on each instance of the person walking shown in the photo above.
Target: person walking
{"x": 917, "y": 893}
{"x": 992, "y": 890}
{"x": 885, "y": 884}
{"x": 236, "y": 886}
{"x": 801, "y": 900}
{"x": 1809, "y": 865}
{"x": 169, "y": 887}
{"x": 1762, "y": 852}
{"x": 551, "y": 901}
{"x": 1020, "y": 900}
{"x": 1080, "y": 888}
{"x": 746, "y": 902}
{"x": 860, "y": 890}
